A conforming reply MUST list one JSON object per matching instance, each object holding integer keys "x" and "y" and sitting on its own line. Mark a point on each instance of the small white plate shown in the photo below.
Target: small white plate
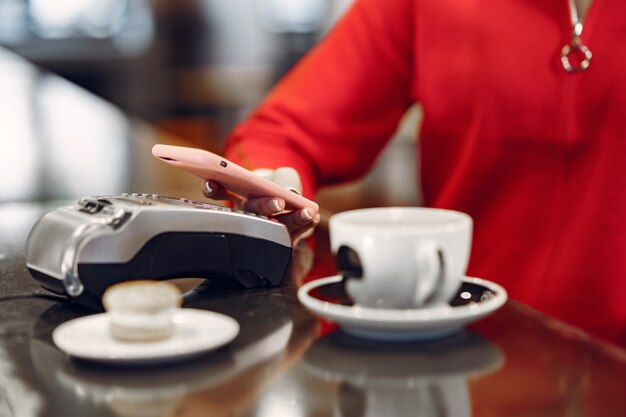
{"x": 195, "y": 332}
{"x": 405, "y": 324}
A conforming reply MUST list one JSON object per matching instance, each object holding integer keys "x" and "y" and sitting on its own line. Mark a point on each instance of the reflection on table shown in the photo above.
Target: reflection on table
{"x": 425, "y": 379}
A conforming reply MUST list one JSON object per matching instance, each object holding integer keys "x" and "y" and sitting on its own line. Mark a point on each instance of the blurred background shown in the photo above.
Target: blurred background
{"x": 87, "y": 86}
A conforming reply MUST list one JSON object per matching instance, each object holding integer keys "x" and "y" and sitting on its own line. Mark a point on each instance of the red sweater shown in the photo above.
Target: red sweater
{"x": 534, "y": 154}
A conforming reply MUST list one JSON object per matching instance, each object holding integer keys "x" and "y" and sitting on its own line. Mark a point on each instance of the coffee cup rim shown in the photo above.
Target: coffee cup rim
{"x": 449, "y": 219}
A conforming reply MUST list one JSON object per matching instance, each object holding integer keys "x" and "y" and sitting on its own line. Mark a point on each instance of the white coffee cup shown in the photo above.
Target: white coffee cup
{"x": 401, "y": 257}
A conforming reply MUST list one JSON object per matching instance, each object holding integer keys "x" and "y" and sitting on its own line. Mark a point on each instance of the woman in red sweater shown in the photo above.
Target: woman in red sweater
{"x": 529, "y": 142}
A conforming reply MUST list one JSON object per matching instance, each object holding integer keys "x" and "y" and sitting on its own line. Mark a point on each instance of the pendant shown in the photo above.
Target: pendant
{"x": 575, "y": 57}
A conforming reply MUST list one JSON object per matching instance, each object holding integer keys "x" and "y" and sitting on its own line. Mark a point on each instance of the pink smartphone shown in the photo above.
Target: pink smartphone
{"x": 231, "y": 176}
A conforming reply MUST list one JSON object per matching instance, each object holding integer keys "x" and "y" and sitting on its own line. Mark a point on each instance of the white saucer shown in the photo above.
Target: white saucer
{"x": 196, "y": 332}
{"x": 405, "y": 324}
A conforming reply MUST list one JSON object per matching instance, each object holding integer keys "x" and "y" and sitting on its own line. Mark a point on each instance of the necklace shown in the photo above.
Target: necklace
{"x": 575, "y": 56}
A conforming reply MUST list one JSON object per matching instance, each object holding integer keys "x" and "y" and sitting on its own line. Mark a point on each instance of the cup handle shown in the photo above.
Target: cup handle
{"x": 431, "y": 270}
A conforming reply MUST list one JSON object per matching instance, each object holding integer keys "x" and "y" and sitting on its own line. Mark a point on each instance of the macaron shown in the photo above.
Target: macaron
{"x": 142, "y": 310}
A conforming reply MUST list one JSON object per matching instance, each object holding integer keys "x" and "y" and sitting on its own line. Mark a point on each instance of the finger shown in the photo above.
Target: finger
{"x": 216, "y": 191}
{"x": 267, "y": 206}
{"x": 301, "y": 263}
{"x": 284, "y": 176}
{"x": 297, "y": 219}
{"x": 303, "y": 232}
{"x": 213, "y": 190}
{"x": 288, "y": 178}
{"x": 266, "y": 173}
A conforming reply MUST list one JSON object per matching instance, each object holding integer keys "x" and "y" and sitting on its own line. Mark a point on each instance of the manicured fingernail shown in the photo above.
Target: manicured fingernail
{"x": 306, "y": 215}
{"x": 274, "y": 205}
{"x": 206, "y": 188}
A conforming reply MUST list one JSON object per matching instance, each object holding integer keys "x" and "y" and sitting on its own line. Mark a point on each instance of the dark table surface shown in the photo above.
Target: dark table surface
{"x": 285, "y": 361}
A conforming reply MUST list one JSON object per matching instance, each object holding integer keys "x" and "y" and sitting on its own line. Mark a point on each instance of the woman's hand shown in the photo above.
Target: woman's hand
{"x": 300, "y": 223}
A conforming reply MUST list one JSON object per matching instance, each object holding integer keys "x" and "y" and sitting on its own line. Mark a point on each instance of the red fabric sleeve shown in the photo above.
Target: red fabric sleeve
{"x": 331, "y": 115}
